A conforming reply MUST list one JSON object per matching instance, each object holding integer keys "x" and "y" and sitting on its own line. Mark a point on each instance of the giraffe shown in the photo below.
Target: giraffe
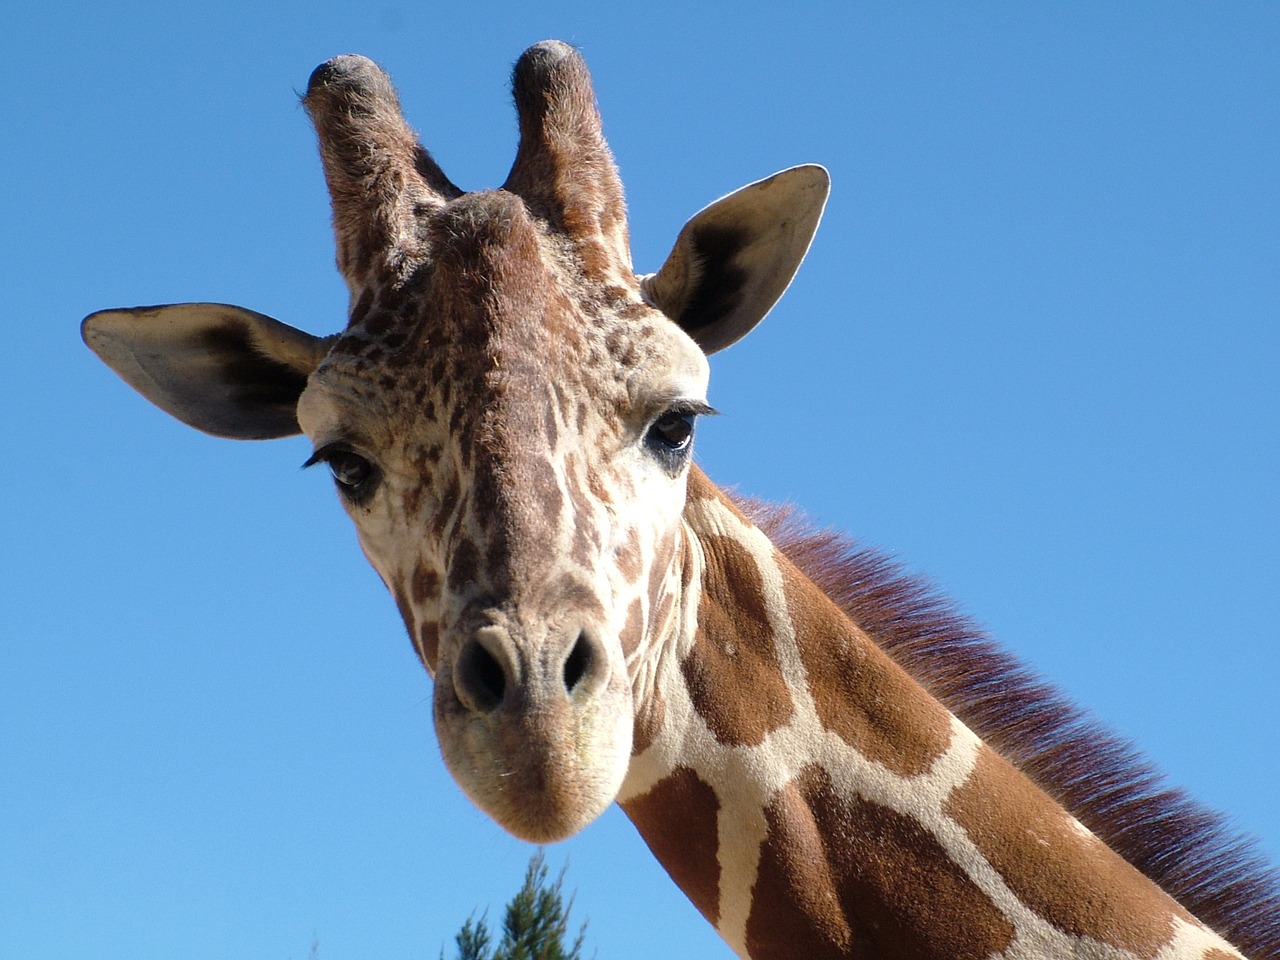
{"x": 828, "y": 761}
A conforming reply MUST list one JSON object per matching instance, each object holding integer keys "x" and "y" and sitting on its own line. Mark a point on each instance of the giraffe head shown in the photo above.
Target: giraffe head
{"x": 508, "y": 415}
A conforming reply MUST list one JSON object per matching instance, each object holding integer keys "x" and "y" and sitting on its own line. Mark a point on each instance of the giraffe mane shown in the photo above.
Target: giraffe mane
{"x": 1194, "y": 854}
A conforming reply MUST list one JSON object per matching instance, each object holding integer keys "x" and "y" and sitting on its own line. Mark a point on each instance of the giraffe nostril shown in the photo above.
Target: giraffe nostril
{"x": 577, "y": 663}
{"x": 586, "y": 668}
{"x": 479, "y": 678}
{"x": 487, "y": 676}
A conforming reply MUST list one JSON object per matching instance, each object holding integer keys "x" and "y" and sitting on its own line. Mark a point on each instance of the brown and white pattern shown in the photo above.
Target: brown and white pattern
{"x": 822, "y": 759}
{"x": 844, "y": 746}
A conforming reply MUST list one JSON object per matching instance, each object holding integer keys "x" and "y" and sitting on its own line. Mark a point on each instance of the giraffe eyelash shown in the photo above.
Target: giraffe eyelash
{"x": 355, "y": 476}
{"x": 694, "y": 407}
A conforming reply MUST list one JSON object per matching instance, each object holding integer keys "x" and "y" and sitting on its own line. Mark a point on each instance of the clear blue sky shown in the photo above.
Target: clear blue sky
{"x": 1034, "y": 353}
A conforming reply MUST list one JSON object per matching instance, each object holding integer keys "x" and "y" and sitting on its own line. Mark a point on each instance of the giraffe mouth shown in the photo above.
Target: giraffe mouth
{"x": 541, "y": 744}
{"x": 542, "y": 777}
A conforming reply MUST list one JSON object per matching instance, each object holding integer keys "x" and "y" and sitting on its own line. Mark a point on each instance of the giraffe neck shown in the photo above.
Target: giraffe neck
{"x": 812, "y": 799}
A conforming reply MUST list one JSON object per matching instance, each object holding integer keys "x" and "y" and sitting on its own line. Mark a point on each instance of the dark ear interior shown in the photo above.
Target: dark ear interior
{"x": 224, "y": 370}
{"x": 258, "y": 389}
{"x": 733, "y": 260}
{"x": 722, "y": 281}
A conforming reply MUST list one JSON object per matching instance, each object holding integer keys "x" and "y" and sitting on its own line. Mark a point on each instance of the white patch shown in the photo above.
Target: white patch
{"x": 1082, "y": 830}
{"x": 1192, "y": 941}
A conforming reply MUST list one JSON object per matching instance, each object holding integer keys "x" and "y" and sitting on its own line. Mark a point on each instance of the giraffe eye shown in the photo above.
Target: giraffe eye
{"x": 670, "y": 438}
{"x": 349, "y": 470}
{"x": 673, "y": 430}
{"x": 355, "y": 476}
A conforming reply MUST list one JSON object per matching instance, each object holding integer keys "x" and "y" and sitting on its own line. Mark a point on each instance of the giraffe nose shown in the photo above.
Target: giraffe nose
{"x": 489, "y": 670}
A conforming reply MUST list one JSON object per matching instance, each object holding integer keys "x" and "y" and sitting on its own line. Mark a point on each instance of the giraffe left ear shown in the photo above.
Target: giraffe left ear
{"x": 734, "y": 259}
{"x": 225, "y": 370}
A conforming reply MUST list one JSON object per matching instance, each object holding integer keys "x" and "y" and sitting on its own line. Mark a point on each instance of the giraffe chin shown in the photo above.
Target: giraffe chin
{"x": 543, "y": 774}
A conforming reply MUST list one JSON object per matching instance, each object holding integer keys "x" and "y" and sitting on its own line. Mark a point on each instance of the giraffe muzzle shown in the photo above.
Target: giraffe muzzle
{"x": 536, "y": 726}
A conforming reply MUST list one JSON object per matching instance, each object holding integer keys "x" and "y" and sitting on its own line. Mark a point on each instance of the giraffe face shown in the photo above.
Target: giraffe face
{"x": 508, "y": 415}
{"x": 514, "y": 460}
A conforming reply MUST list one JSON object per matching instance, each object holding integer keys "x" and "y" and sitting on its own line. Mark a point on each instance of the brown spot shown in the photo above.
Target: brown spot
{"x": 630, "y": 312}
{"x": 413, "y": 496}
{"x": 436, "y": 372}
{"x": 855, "y": 879}
{"x": 628, "y": 557}
{"x": 429, "y": 643}
{"x": 1071, "y": 879}
{"x": 633, "y": 630}
{"x": 650, "y": 715}
{"x": 597, "y": 259}
{"x": 457, "y": 527}
{"x": 425, "y": 584}
{"x": 595, "y": 483}
{"x": 542, "y": 485}
{"x": 448, "y": 501}
{"x": 379, "y": 324}
{"x": 677, "y": 819}
{"x": 550, "y": 426}
{"x": 860, "y": 693}
{"x": 465, "y": 566}
{"x": 405, "y": 608}
{"x": 586, "y": 543}
{"x": 615, "y": 341}
{"x": 734, "y": 651}
{"x": 687, "y": 567}
{"x": 461, "y": 413}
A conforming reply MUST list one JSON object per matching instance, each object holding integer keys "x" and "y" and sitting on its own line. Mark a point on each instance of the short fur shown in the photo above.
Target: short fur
{"x": 1193, "y": 853}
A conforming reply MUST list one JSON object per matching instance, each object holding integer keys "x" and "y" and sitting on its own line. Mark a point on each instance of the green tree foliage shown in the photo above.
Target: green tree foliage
{"x": 534, "y": 926}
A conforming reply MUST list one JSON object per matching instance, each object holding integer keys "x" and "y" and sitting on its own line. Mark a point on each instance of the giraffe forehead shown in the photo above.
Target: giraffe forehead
{"x": 500, "y": 313}
{"x": 614, "y": 361}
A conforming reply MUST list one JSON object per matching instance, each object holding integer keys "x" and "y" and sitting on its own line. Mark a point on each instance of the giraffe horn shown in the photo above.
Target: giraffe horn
{"x": 563, "y": 169}
{"x": 380, "y": 177}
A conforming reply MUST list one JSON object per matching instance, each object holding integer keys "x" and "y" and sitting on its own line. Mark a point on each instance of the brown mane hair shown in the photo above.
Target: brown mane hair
{"x": 1192, "y": 853}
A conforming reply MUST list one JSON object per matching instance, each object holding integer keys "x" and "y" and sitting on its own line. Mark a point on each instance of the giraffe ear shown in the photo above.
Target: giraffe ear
{"x": 734, "y": 259}
{"x": 225, "y": 370}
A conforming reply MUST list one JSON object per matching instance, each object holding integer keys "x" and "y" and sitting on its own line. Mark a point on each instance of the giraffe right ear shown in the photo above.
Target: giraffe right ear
{"x": 734, "y": 259}
{"x": 225, "y": 370}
